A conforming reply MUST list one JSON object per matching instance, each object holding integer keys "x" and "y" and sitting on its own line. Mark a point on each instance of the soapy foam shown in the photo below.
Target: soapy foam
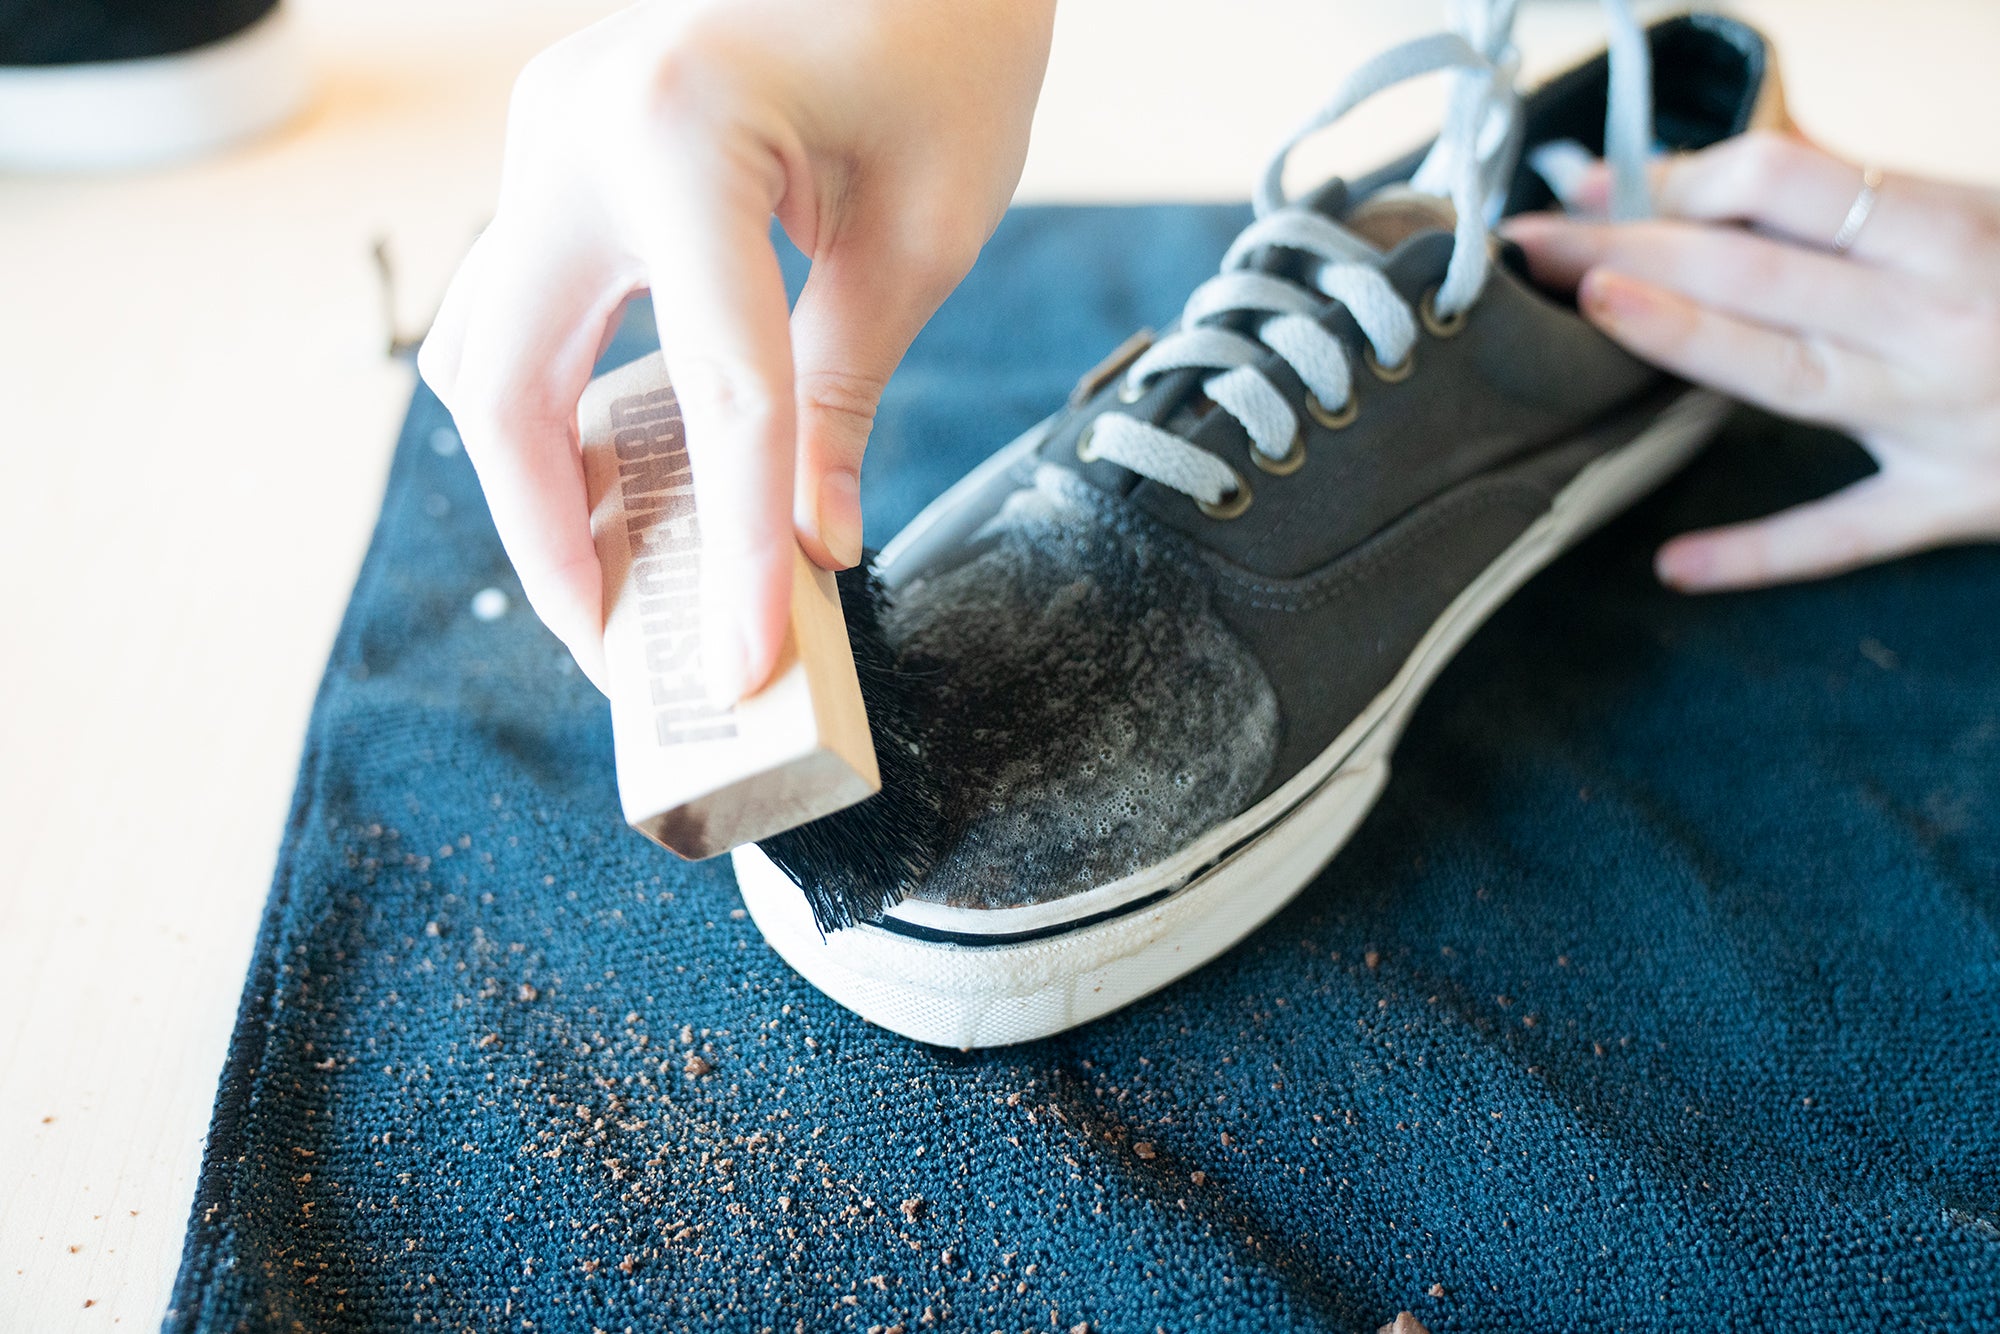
{"x": 1086, "y": 714}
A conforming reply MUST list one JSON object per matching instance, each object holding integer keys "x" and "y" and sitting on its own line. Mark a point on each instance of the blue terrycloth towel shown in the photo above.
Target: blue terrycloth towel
{"x": 1661, "y": 991}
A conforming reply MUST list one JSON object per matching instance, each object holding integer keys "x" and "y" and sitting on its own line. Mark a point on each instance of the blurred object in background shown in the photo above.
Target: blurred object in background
{"x": 102, "y": 85}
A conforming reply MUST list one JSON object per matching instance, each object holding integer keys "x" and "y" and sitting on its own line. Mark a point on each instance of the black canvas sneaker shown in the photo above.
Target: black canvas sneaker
{"x": 1177, "y": 628}
{"x": 94, "y": 85}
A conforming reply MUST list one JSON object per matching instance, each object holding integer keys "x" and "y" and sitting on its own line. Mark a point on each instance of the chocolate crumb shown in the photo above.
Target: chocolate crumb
{"x": 697, "y": 1066}
{"x": 1199, "y": 1178}
{"x": 1373, "y": 959}
{"x": 1145, "y": 1149}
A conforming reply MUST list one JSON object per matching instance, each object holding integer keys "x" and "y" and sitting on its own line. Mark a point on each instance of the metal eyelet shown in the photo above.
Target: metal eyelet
{"x": 1129, "y": 392}
{"x": 1395, "y": 374}
{"x": 1083, "y": 450}
{"x": 1440, "y": 326}
{"x": 1285, "y": 464}
{"x": 1333, "y": 419}
{"x": 1233, "y": 503}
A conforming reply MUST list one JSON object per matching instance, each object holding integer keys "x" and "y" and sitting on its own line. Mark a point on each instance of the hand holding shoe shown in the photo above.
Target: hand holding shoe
{"x": 1896, "y": 340}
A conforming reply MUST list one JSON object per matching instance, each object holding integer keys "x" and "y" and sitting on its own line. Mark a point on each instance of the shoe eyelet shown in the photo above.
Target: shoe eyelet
{"x": 1233, "y": 503}
{"x": 1395, "y": 374}
{"x": 1333, "y": 419}
{"x": 1286, "y": 464}
{"x": 1129, "y": 392}
{"x": 1084, "y": 452}
{"x": 1440, "y": 326}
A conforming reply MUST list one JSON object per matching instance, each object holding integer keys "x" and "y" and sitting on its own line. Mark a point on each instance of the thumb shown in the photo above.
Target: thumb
{"x": 1877, "y": 518}
{"x": 862, "y": 306}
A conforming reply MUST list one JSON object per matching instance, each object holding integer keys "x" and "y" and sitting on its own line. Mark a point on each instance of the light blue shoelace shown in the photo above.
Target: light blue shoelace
{"x": 1470, "y": 166}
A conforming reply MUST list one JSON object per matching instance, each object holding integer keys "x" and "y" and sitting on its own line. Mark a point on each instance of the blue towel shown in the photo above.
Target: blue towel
{"x": 1661, "y": 991}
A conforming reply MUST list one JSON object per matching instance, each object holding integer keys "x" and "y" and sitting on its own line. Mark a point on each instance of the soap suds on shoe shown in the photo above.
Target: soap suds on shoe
{"x": 1091, "y": 714}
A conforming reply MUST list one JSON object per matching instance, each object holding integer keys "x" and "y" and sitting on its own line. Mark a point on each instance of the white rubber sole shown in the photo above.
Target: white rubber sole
{"x": 121, "y": 114}
{"x": 1039, "y": 976}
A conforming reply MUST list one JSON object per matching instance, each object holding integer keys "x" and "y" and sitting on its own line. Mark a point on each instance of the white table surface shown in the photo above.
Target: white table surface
{"x": 195, "y": 419}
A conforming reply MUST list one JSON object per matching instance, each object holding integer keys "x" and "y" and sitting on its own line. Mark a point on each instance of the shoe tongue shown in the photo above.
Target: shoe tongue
{"x": 1395, "y": 213}
{"x": 1376, "y": 226}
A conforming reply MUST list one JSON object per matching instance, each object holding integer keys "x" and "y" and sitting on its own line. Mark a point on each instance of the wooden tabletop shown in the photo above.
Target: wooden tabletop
{"x": 196, "y": 413}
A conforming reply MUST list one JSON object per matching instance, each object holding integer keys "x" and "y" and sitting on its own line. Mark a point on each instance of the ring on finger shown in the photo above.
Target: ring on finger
{"x": 1858, "y": 211}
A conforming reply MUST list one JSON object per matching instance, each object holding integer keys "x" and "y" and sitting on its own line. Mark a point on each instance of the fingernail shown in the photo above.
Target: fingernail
{"x": 840, "y": 515}
{"x": 1527, "y": 227}
{"x": 723, "y": 660}
{"x": 1591, "y": 191}
{"x": 1681, "y": 567}
{"x": 1612, "y": 298}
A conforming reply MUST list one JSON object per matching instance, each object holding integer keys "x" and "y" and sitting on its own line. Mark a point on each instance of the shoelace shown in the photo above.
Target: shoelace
{"x": 1471, "y": 164}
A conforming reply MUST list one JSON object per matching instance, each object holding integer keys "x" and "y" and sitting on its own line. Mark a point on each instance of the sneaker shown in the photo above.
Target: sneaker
{"x": 1174, "y": 632}
{"x": 98, "y": 85}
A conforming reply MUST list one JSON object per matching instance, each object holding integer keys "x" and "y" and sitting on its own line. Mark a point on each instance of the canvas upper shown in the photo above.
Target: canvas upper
{"x": 1115, "y": 667}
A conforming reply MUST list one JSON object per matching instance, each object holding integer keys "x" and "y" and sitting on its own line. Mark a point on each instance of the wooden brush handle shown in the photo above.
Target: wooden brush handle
{"x": 697, "y": 780}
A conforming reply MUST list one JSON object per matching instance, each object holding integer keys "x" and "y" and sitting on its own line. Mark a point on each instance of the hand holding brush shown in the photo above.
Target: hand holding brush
{"x": 652, "y": 150}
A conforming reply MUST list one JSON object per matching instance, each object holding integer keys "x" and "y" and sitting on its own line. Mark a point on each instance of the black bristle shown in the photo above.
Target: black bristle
{"x": 854, "y": 864}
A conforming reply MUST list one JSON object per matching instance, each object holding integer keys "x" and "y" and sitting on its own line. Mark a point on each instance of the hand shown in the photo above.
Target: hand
{"x": 653, "y": 149}
{"x": 1896, "y": 342}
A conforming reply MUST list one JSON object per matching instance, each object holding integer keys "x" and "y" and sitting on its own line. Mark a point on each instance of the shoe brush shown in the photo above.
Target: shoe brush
{"x": 823, "y": 766}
